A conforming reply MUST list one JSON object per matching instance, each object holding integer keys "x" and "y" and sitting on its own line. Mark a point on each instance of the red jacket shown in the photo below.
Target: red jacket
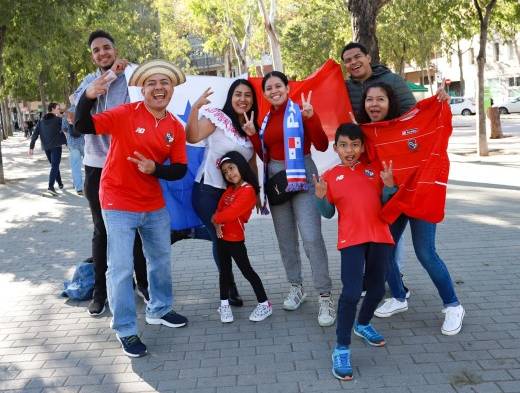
{"x": 233, "y": 211}
{"x": 417, "y": 144}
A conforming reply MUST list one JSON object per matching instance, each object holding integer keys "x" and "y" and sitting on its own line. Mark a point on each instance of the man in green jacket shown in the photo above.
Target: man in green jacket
{"x": 357, "y": 62}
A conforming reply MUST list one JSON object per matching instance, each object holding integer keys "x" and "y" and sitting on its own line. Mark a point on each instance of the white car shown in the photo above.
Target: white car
{"x": 462, "y": 106}
{"x": 513, "y": 105}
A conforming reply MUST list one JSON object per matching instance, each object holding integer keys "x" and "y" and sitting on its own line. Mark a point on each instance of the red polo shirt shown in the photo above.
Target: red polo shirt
{"x": 134, "y": 128}
{"x": 356, "y": 193}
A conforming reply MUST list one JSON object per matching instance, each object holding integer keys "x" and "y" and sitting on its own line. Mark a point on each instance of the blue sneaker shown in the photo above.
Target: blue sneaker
{"x": 170, "y": 319}
{"x": 341, "y": 367}
{"x": 370, "y": 335}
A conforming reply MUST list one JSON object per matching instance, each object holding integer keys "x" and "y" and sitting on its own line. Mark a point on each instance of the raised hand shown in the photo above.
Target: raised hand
{"x": 203, "y": 99}
{"x": 387, "y": 176}
{"x": 119, "y": 66}
{"x": 144, "y": 164}
{"x": 307, "y": 109}
{"x": 441, "y": 92}
{"x": 320, "y": 187}
{"x": 99, "y": 86}
{"x": 249, "y": 126}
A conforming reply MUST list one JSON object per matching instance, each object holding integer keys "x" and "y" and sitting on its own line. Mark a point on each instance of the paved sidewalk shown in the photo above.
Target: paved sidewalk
{"x": 50, "y": 344}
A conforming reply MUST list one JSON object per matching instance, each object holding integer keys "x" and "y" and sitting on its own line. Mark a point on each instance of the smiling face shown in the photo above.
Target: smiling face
{"x": 103, "y": 53}
{"x": 349, "y": 150}
{"x": 357, "y": 64}
{"x": 242, "y": 99}
{"x": 157, "y": 91}
{"x": 377, "y": 104}
{"x": 231, "y": 173}
{"x": 275, "y": 91}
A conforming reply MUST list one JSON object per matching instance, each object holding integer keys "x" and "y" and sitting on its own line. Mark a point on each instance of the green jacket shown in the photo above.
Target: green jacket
{"x": 381, "y": 74}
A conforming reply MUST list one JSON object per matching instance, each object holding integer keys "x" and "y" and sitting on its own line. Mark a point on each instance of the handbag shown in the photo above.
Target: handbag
{"x": 275, "y": 189}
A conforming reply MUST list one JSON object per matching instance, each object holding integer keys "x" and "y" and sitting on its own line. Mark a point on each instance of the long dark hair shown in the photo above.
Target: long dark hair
{"x": 393, "y": 103}
{"x": 244, "y": 169}
{"x": 230, "y": 112}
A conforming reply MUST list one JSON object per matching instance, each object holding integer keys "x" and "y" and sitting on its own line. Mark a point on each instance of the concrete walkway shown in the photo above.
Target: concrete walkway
{"x": 50, "y": 344}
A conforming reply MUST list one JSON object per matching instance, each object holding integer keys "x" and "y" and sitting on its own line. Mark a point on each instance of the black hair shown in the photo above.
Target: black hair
{"x": 350, "y": 130}
{"x": 230, "y": 112}
{"x": 394, "y": 110}
{"x": 352, "y": 45}
{"x": 51, "y": 106}
{"x": 244, "y": 169}
{"x": 277, "y": 74}
{"x": 100, "y": 34}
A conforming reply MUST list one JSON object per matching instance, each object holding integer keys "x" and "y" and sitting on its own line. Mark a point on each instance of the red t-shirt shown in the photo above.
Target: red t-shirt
{"x": 134, "y": 128}
{"x": 234, "y": 209}
{"x": 273, "y": 135}
{"x": 356, "y": 193}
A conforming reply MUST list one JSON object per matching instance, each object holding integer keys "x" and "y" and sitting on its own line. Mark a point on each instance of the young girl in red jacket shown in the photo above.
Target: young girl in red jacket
{"x": 233, "y": 211}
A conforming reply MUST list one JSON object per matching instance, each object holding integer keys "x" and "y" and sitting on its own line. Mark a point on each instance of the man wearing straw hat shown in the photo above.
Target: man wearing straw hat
{"x": 144, "y": 135}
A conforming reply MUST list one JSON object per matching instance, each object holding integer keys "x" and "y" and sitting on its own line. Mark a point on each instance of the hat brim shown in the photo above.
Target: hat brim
{"x": 152, "y": 67}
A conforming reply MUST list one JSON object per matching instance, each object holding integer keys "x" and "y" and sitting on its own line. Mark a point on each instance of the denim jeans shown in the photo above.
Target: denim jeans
{"x": 76, "y": 160}
{"x": 423, "y": 239}
{"x": 154, "y": 229}
{"x": 54, "y": 157}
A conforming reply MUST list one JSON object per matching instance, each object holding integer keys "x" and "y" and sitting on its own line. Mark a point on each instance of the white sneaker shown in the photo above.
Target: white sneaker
{"x": 453, "y": 320}
{"x": 295, "y": 298}
{"x": 226, "y": 315}
{"x": 327, "y": 313}
{"x": 261, "y": 312}
{"x": 390, "y": 307}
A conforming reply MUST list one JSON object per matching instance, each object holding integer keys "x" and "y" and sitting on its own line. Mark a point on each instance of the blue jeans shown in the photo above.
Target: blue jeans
{"x": 154, "y": 229}
{"x": 423, "y": 238}
{"x": 372, "y": 258}
{"x": 76, "y": 160}
{"x": 205, "y": 200}
{"x": 54, "y": 157}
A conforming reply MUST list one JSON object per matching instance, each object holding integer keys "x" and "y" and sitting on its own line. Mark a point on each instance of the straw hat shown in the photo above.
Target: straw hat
{"x": 157, "y": 66}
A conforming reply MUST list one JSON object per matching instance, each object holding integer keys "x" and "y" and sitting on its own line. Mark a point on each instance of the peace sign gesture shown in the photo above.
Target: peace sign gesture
{"x": 203, "y": 99}
{"x": 249, "y": 125}
{"x": 387, "y": 175}
{"x": 144, "y": 164}
{"x": 307, "y": 108}
{"x": 320, "y": 187}
{"x": 441, "y": 93}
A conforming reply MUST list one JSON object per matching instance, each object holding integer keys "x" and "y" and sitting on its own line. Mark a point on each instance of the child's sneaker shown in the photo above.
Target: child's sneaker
{"x": 226, "y": 315}
{"x": 326, "y": 314}
{"x": 370, "y": 335}
{"x": 341, "y": 367}
{"x": 390, "y": 307}
{"x": 261, "y": 312}
{"x": 295, "y": 298}
{"x": 453, "y": 320}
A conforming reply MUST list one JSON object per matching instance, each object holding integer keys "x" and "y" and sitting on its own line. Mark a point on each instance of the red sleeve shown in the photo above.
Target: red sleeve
{"x": 112, "y": 121}
{"x": 257, "y": 145}
{"x": 244, "y": 202}
{"x": 315, "y": 131}
{"x": 178, "y": 150}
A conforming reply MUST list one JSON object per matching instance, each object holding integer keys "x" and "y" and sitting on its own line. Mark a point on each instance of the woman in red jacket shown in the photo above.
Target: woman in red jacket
{"x": 284, "y": 142}
{"x": 233, "y": 211}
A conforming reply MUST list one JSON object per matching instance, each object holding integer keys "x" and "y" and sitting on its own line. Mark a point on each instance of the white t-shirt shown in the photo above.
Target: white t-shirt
{"x": 223, "y": 140}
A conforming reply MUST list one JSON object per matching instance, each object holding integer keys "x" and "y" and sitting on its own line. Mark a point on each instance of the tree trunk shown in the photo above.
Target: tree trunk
{"x": 227, "y": 63}
{"x": 3, "y": 30}
{"x": 461, "y": 70}
{"x": 493, "y": 115}
{"x": 364, "y": 14}
{"x": 6, "y": 117}
{"x": 274, "y": 42}
{"x": 430, "y": 81}
{"x": 41, "y": 88}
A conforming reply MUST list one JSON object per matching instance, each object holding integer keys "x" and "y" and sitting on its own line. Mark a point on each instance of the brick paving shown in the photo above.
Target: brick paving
{"x": 51, "y": 344}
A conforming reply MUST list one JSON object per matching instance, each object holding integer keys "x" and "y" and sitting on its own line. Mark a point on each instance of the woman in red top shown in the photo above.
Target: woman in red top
{"x": 233, "y": 211}
{"x": 299, "y": 213}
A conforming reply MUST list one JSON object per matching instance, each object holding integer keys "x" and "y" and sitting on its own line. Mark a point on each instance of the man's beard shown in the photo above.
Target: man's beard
{"x": 106, "y": 68}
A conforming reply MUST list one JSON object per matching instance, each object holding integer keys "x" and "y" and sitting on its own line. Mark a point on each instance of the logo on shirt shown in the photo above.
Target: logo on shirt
{"x": 169, "y": 137}
{"x": 340, "y": 177}
{"x": 412, "y": 144}
{"x": 369, "y": 172}
{"x": 410, "y": 131}
{"x": 140, "y": 130}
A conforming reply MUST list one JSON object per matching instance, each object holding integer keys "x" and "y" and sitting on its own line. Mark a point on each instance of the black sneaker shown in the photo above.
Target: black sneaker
{"x": 80, "y": 192}
{"x": 132, "y": 346}
{"x": 97, "y": 306}
{"x": 52, "y": 192}
{"x": 143, "y": 292}
{"x": 171, "y": 319}
{"x": 60, "y": 186}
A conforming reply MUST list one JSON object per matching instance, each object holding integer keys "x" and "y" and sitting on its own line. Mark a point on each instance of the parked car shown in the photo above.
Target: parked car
{"x": 513, "y": 105}
{"x": 462, "y": 106}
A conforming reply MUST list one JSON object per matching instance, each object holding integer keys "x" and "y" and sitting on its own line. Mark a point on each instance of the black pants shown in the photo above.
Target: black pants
{"x": 54, "y": 157}
{"x": 99, "y": 238}
{"x": 237, "y": 250}
{"x": 373, "y": 259}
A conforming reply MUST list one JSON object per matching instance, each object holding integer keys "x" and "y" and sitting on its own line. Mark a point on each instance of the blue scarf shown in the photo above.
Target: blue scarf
{"x": 293, "y": 147}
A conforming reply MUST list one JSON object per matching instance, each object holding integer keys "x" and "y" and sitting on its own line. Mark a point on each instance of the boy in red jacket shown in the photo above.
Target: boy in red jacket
{"x": 233, "y": 211}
